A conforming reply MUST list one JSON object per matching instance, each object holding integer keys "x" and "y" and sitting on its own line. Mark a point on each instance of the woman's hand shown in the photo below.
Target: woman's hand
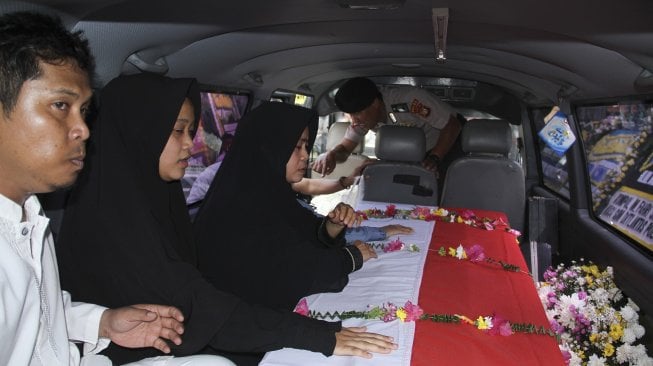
{"x": 357, "y": 342}
{"x": 366, "y": 250}
{"x": 340, "y": 217}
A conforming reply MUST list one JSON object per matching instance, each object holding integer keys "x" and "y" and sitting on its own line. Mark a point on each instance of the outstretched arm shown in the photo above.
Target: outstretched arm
{"x": 326, "y": 162}
{"x": 143, "y": 325}
{"x": 356, "y": 342}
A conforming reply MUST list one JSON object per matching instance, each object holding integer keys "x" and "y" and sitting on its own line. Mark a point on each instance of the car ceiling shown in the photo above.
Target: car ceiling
{"x": 539, "y": 51}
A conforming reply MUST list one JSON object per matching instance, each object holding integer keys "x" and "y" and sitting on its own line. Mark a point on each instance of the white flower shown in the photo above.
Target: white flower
{"x": 595, "y": 360}
{"x": 624, "y": 353}
{"x": 638, "y": 330}
{"x": 460, "y": 252}
{"x": 567, "y": 300}
{"x": 632, "y": 304}
{"x": 629, "y": 336}
{"x": 600, "y": 296}
{"x": 640, "y": 358}
{"x": 628, "y": 314}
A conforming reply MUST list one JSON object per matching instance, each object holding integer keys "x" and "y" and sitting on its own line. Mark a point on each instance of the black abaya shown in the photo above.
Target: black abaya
{"x": 126, "y": 237}
{"x": 253, "y": 238}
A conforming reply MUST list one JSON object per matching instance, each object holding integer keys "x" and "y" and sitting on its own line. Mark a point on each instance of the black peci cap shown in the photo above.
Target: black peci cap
{"x": 356, "y": 94}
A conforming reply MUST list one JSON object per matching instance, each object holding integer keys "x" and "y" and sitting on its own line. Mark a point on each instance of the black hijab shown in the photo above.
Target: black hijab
{"x": 253, "y": 238}
{"x": 126, "y": 235}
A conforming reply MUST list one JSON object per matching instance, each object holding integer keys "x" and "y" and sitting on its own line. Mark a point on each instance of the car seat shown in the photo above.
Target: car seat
{"x": 399, "y": 176}
{"x": 347, "y": 167}
{"x": 485, "y": 178}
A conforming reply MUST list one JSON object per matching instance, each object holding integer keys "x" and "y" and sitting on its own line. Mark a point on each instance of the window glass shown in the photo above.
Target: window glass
{"x": 217, "y": 126}
{"x": 284, "y": 96}
{"x": 554, "y": 166}
{"x": 619, "y": 154}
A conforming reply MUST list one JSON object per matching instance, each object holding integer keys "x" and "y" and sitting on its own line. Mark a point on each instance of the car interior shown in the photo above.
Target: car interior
{"x": 503, "y": 65}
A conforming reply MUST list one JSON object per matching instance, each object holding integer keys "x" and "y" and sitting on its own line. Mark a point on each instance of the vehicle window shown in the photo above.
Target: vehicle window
{"x": 217, "y": 126}
{"x": 619, "y": 154}
{"x": 323, "y": 129}
{"x": 284, "y": 96}
{"x": 554, "y": 166}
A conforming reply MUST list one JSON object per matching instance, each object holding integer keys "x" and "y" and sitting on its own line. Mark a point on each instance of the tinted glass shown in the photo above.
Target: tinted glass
{"x": 618, "y": 146}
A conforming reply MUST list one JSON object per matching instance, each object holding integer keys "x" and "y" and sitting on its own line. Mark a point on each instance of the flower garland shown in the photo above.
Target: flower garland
{"x": 476, "y": 254}
{"x": 393, "y": 246}
{"x": 494, "y": 325}
{"x": 595, "y": 323}
{"x": 467, "y": 217}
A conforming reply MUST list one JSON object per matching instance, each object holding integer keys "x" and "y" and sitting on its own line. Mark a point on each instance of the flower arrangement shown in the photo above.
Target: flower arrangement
{"x": 467, "y": 217}
{"x": 493, "y": 325}
{"x": 394, "y": 246}
{"x": 476, "y": 254}
{"x": 596, "y": 324}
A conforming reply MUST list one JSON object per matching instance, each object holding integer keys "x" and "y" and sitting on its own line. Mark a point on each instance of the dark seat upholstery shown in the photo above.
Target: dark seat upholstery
{"x": 399, "y": 176}
{"x": 485, "y": 178}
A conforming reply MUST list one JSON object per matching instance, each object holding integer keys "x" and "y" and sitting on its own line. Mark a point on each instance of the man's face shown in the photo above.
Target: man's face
{"x": 368, "y": 118}
{"x": 42, "y": 140}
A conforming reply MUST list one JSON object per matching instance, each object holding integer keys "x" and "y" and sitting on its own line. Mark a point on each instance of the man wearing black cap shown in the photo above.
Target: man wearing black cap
{"x": 370, "y": 107}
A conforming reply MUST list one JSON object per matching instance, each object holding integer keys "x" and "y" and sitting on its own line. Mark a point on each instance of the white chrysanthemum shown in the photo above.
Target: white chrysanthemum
{"x": 638, "y": 329}
{"x": 628, "y": 314}
{"x": 624, "y": 353}
{"x": 595, "y": 360}
{"x": 633, "y": 305}
{"x": 580, "y": 280}
{"x": 629, "y": 336}
{"x": 643, "y": 361}
{"x": 610, "y": 271}
{"x": 615, "y": 294}
{"x": 567, "y": 300}
{"x": 640, "y": 358}
{"x": 600, "y": 296}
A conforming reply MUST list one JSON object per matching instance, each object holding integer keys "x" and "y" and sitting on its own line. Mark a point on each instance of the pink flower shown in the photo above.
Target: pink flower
{"x": 500, "y": 326}
{"x": 390, "y": 313}
{"x": 467, "y": 214}
{"x": 302, "y": 307}
{"x": 393, "y": 246}
{"x": 476, "y": 253}
{"x": 413, "y": 311}
{"x": 514, "y": 232}
{"x": 488, "y": 226}
{"x": 499, "y": 222}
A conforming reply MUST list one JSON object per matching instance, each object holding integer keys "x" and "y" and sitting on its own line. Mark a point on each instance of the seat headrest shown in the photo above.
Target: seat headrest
{"x": 400, "y": 143}
{"x": 335, "y": 135}
{"x": 487, "y": 136}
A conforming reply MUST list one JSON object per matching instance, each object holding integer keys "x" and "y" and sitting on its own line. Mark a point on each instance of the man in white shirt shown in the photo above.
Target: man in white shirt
{"x": 44, "y": 95}
{"x": 371, "y": 107}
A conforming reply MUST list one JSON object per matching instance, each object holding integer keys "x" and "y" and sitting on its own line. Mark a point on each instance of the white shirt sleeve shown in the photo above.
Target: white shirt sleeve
{"x": 83, "y": 323}
{"x": 352, "y": 135}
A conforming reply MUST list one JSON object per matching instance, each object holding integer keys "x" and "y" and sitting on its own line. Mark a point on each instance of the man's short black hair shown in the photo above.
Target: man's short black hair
{"x": 356, "y": 94}
{"x": 29, "y": 38}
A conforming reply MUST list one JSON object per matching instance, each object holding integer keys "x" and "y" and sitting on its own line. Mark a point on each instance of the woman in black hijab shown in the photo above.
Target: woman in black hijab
{"x": 253, "y": 238}
{"x": 126, "y": 235}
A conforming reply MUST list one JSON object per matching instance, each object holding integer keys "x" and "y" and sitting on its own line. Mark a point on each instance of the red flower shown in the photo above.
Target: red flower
{"x": 390, "y": 210}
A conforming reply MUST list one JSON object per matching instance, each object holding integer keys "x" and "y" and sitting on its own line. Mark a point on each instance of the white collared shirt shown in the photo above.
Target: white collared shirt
{"x": 410, "y": 106}
{"x": 38, "y": 321}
